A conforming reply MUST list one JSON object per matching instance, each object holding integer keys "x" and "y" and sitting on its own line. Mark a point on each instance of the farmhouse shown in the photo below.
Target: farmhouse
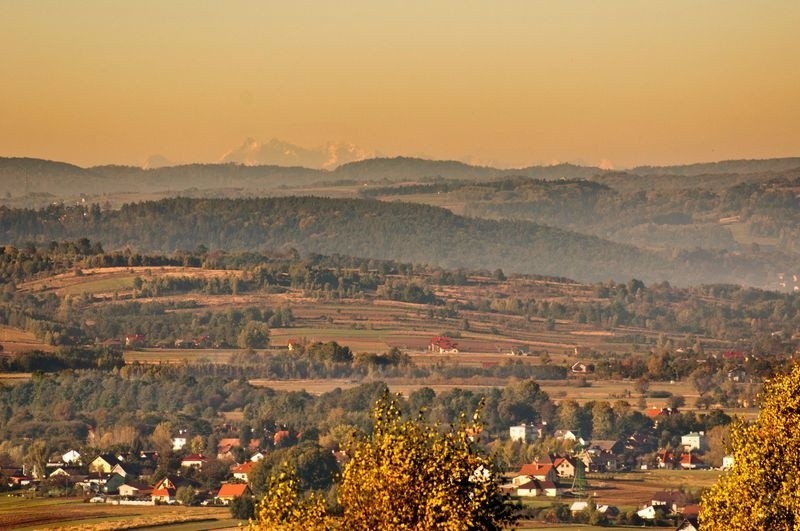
{"x": 443, "y": 345}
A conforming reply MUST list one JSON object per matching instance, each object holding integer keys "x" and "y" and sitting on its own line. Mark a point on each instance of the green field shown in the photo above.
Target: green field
{"x": 101, "y": 285}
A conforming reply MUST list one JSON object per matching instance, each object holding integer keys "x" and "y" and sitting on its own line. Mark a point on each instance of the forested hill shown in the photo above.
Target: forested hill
{"x": 722, "y": 167}
{"x": 369, "y": 228}
{"x": 22, "y": 176}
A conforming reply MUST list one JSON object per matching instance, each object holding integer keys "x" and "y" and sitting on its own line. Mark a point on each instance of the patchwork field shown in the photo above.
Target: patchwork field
{"x": 71, "y": 513}
{"x": 17, "y": 340}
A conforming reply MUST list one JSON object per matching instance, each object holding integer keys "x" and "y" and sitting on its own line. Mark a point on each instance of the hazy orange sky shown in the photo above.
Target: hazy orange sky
{"x": 505, "y": 82}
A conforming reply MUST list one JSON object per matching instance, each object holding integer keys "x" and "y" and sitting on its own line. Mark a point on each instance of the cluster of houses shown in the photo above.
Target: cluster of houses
{"x": 560, "y": 475}
{"x": 129, "y": 478}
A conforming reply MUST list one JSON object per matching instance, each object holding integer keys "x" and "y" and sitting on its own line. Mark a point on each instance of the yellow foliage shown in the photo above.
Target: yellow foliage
{"x": 762, "y": 491}
{"x": 282, "y": 508}
{"x": 410, "y": 475}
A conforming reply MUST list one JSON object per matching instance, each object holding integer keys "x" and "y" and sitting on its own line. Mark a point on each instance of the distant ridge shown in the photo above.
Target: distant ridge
{"x": 24, "y": 175}
{"x": 724, "y": 166}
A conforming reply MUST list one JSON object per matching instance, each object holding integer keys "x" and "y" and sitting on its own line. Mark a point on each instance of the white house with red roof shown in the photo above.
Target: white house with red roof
{"x": 443, "y": 345}
{"x": 230, "y": 491}
{"x": 194, "y": 460}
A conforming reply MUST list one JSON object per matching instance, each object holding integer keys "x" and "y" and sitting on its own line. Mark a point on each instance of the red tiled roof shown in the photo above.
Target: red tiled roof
{"x": 232, "y": 490}
{"x": 443, "y": 342}
{"x": 244, "y": 467}
{"x": 531, "y": 469}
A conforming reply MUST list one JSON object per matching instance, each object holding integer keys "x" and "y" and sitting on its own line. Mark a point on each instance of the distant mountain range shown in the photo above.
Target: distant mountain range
{"x": 278, "y": 152}
{"x": 21, "y": 176}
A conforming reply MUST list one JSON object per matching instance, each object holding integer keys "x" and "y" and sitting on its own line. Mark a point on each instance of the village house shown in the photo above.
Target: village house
{"x": 230, "y": 491}
{"x": 134, "y": 489}
{"x": 523, "y": 433}
{"x": 164, "y": 491}
{"x": 443, "y": 345}
{"x": 71, "y": 457}
{"x": 242, "y": 471}
{"x": 694, "y": 441}
{"x": 569, "y": 435}
{"x": 565, "y": 467}
{"x": 540, "y": 470}
{"x": 666, "y": 459}
{"x": 582, "y": 368}
{"x": 104, "y": 463}
{"x": 134, "y": 341}
{"x": 692, "y": 462}
{"x": 194, "y": 461}
{"x": 258, "y": 456}
{"x": 69, "y": 474}
{"x": 668, "y": 502}
{"x": 180, "y": 440}
{"x": 112, "y": 484}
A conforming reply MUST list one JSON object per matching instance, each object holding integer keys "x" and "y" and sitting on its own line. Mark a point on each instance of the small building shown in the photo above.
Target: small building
{"x": 443, "y": 345}
{"x": 294, "y": 344}
{"x": 565, "y": 467}
{"x": 230, "y": 491}
{"x": 694, "y": 441}
{"x": 727, "y": 462}
{"x": 194, "y": 461}
{"x": 580, "y": 367}
{"x": 647, "y": 513}
{"x": 69, "y": 474}
{"x": 112, "y": 484}
{"x": 692, "y": 462}
{"x": 539, "y": 470}
{"x": 522, "y": 433}
{"x": 242, "y": 471}
{"x": 164, "y": 491}
{"x": 134, "y": 341}
{"x": 180, "y": 440}
{"x": 258, "y": 456}
{"x": 529, "y": 489}
{"x": 133, "y": 489}
{"x": 71, "y": 457}
{"x": 103, "y": 463}
{"x": 737, "y": 375}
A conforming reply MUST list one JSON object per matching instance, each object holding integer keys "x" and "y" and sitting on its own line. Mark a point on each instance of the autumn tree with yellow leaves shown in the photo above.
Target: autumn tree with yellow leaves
{"x": 762, "y": 490}
{"x": 408, "y": 474}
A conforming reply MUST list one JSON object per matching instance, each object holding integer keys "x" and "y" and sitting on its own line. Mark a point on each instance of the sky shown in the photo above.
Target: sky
{"x": 506, "y": 83}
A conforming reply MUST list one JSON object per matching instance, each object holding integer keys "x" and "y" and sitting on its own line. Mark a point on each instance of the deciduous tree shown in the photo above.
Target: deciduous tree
{"x": 761, "y": 491}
